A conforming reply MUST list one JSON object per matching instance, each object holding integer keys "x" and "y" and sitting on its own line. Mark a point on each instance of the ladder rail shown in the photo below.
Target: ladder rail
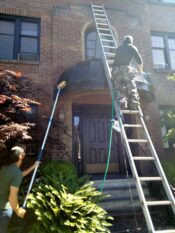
{"x": 110, "y": 27}
{"x": 104, "y": 61}
{"x": 158, "y": 164}
{"x": 108, "y": 24}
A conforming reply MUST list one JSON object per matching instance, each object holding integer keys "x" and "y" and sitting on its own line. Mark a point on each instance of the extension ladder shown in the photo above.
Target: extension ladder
{"x": 108, "y": 45}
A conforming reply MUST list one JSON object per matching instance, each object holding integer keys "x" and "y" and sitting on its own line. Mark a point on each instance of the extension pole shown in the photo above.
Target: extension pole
{"x": 59, "y": 87}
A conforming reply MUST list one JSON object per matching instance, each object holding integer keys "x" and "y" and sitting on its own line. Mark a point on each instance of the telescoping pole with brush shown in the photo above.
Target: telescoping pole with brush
{"x": 59, "y": 87}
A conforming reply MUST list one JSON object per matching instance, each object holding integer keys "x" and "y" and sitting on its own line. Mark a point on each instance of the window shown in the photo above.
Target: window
{"x": 19, "y": 38}
{"x": 171, "y": 45}
{"x": 93, "y": 49}
{"x": 6, "y": 39}
{"x": 163, "y": 51}
{"x": 92, "y": 44}
{"x": 31, "y": 149}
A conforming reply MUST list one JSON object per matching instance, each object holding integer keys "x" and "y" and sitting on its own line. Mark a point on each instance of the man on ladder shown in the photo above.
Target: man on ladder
{"x": 123, "y": 75}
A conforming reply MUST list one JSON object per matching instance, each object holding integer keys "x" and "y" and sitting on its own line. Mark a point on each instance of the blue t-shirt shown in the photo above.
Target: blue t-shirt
{"x": 10, "y": 175}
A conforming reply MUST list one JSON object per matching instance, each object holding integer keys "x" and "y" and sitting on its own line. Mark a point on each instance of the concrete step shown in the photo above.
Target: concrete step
{"x": 122, "y": 196}
{"x": 129, "y": 224}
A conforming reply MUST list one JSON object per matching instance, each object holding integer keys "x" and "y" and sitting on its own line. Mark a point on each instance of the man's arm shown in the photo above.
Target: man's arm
{"x": 13, "y": 199}
{"x": 28, "y": 170}
{"x": 138, "y": 59}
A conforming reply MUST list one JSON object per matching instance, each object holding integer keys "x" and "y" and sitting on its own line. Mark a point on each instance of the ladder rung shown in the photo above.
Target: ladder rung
{"x": 110, "y": 62}
{"x": 105, "y": 40}
{"x": 166, "y": 231}
{"x": 102, "y": 15}
{"x": 153, "y": 203}
{"x": 104, "y": 24}
{"x": 110, "y": 54}
{"x": 133, "y": 126}
{"x": 101, "y": 19}
{"x": 156, "y": 178}
{"x": 104, "y": 29}
{"x": 109, "y": 47}
{"x": 137, "y": 140}
{"x": 129, "y": 111}
{"x": 104, "y": 34}
{"x": 98, "y": 10}
{"x": 143, "y": 158}
{"x": 97, "y": 6}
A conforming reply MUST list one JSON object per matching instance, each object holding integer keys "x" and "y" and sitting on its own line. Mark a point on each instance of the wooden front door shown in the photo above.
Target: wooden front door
{"x": 96, "y": 123}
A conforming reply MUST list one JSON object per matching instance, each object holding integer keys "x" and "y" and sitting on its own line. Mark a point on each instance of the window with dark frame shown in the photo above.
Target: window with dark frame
{"x": 31, "y": 149}
{"x": 163, "y": 51}
{"x": 171, "y": 45}
{"x": 19, "y": 38}
{"x": 92, "y": 45}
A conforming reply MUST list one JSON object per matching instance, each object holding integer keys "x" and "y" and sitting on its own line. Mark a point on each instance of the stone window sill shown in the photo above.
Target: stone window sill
{"x": 19, "y": 62}
{"x": 161, "y": 3}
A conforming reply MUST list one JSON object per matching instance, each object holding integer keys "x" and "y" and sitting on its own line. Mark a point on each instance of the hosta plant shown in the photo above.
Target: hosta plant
{"x": 59, "y": 211}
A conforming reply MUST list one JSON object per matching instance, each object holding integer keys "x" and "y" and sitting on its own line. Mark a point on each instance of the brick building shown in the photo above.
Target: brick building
{"x": 49, "y": 40}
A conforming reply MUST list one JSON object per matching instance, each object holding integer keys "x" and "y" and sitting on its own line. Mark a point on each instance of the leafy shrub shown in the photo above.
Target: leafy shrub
{"x": 62, "y": 212}
{"x": 168, "y": 166}
{"x": 62, "y": 172}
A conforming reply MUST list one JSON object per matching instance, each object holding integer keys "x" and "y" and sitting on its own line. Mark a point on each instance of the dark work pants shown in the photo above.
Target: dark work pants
{"x": 5, "y": 215}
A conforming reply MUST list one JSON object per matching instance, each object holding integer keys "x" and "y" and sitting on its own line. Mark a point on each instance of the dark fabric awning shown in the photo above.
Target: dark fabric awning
{"x": 85, "y": 75}
{"x": 90, "y": 74}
